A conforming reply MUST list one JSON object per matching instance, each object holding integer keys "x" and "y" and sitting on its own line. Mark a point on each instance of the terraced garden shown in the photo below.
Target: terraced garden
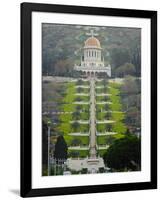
{"x": 110, "y": 118}
{"x": 74, "y": 118}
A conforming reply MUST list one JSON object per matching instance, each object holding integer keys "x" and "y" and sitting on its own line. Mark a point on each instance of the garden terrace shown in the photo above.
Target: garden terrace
{"x": 109, "y": 115}
{"x": 74, "y": 118}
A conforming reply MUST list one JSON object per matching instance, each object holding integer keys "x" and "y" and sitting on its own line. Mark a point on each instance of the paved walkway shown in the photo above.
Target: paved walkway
{"x": 78, "y": 148}
{"x": 81, "y": 102}
{"x": 80, "y": 134}
{"x": 103, "y": 102}
{"x": 82, "y": 86}
{"x": 103, "y": 94}
{"x": 80, "y": 121}
{"x": 92, "y": 119}
{"x": 82, "y": 94}
{"x": 105, "y": 133}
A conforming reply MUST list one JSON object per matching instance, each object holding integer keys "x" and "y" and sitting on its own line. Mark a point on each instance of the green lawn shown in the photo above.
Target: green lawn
{"x": 102, "y": 90}
{"x": 67, "y": 127}
{"x": 83, "y": 140}
{"x": 102, "y": 107}
{"x": 67, "y": 107}
{"x": 84, "y": 116}
{"x": 81, "y": 82}
{"x": 108, "y": 139}
{"x": 102, "y": 140}
{"x": 101, "y": 152}
{"x": 81, "y": 98}
{"x": 117, "y": 116}
{"x": 119, "y": 127}
{"x": 103, "y": 82}
{"x": 83, "y": 90}
{"x": 103, "y": 115}
{"x": 101, "y": 127}
{"x": 102, "y": 98}
{"x": 65, "y": 118}
{"x": 70, "y": 91}
{"x": 77, "y": 153}
{"x": 100, "y": 115}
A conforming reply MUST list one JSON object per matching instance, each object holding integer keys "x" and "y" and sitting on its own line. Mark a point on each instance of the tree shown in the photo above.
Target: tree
{"x": 80, "y": 82}
{"x": 44, "y": 145}
{"x": 105, "y": 98}
{"x": 119, "y": 56}
{"x": 80, "y": 90}
{"x": 108, "y": 115}
{"x": 130, "y": 86}
{"x": 105, "y": 89}
{"x": 124, "y": 154}
{"x": 60, "y": 148}
{"x": 76, "y": 142}
{"x": 108, "y": 127}
{"x": 106, "y": 107}
{"x": 75, "y": 126}
{"x": 105, "y": 82}
{"x": 136, "y": 59}
{"x": 63, "y": 67}
{"x": 126, "y": 69}
{"x": 133, "y": 117}
{"x": 78, "y": 99}
{"x": 78, "y": 108}
{"x": 76, "y": 115}
{"x": 110, "y": 139}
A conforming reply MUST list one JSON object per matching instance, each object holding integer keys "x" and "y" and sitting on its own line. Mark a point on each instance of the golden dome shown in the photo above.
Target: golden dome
{"x": 92, "y": 42}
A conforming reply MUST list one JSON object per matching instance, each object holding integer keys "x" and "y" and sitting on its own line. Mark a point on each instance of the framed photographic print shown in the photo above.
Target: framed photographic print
{"x": 88, "y": 99}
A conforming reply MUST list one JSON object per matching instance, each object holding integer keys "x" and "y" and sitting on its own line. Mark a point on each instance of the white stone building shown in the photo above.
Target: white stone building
{"x": 92, "y": 60}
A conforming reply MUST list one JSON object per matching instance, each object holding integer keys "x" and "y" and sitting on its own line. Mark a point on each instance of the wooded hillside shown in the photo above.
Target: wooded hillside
{"x": 62, "y": 48}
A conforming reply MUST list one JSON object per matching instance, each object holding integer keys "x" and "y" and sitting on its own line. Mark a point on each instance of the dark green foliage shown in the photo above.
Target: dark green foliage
{"x": 84, "y": 171}
{"x": 80, "y": 82}
{"x": 76, "y": 115}
{"x": 126, "y": 69}
{"x": 80, "y": 90}
{"x": 75, "y": 126}
{"x": 107, "y": 115}
{"x": 56, "y": 170}
{"x": 124, "y": 154}
{"x": 44, "y": 145}
{"x": 119, "y": 56}
{"x": 110, "y": 139}
{"x": 130, "y": 86}
{"x": 101, "y": 170}
{"x": 78, "y": 99}
{"x": 76, "y": 142}
{"x": 63, "y": 67}
{"x": 131, "y": 101}
{"x": 106, "y": 107}
{"x": 108, "y": 127}
{"x": 60, "y": 148}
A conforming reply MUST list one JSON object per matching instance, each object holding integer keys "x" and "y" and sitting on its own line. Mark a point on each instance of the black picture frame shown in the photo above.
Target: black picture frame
{"x": 26, "y": 96}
